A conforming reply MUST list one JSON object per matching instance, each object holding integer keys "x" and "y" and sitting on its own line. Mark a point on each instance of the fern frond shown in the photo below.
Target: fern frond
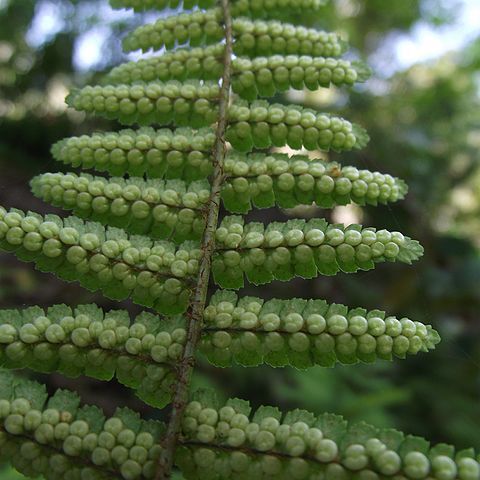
{"x": 252, "y": 38}
{"x": 161, "y": 209}
{"x": 277, "y": 179}
{"x": 87, "y": 341}
{"x": 262, "y": 76}
{"x": 282, "y": 9}
{"x": 261, "y": 124}
{"x": 195, "y": 28}
{"x": 143, "y": 5}
{"x": 258, "y": 124}
{"x": 173, "y": 209}
{"x": 181, "y": 64}
{"x": 254, "y": 8}
{"x": 264, "y": 38}
{"x": 265, "y": 76}
{"x": 160, "y": 191}
{"x": 302, "y": 333}
{"x": 155, "y": 274}
{"x": 186, "y": 104}
{"x": 226, "y": 441}
{"x": 57, "y": 438}
{"x": 300, "y": 248}
{"x": 181, "y": 153}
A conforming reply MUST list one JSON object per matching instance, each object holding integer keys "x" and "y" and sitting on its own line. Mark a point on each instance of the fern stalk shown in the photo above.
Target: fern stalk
{"x": 195, "y": 315}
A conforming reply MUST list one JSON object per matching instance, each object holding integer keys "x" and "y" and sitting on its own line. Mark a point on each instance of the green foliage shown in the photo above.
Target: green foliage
{"x": 262, "y": 125}
{"x": 258, "y": 124}
{"x": 191, "y": 103}
{"x": 141, "y": 5}
{"x": 302, "y": 333}
{"x": 86, "y": 341}
{"x": 159, "y": 273}
{"x": 275, "y": 8}
{"x": 265, "y": 76}
{"x": 179, "y": 64}
{"x": 302, "y": 248}
{"x": 196, "y": 28}
{"x": 225, "y": 441}
{"x": 153, "y": 273}
{"x": 157, "y": 208}
{"x": 174, "y": 208}
{"x": 126, "y": 260}
{"x": 254, "y": 8}
{"x": 253, "y": 38}
{"x": 59, "y": 439}
{"x": 9, "y": 473}
{"x": 181, "y": 153}
{"x": 251, "y": 77}
{"x": 56, "y": 437}
{"x": 288, "y": 181}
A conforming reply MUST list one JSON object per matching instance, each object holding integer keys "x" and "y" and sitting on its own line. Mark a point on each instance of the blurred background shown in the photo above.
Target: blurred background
{"x": 421, "y": 109}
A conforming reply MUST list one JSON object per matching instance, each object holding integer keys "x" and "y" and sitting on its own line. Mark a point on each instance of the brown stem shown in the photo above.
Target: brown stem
{"x": 195, "y": 316}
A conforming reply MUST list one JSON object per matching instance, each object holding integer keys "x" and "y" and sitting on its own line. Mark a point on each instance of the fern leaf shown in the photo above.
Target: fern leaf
{"x": 56, "y": 438}
{"x": 182, "y": 153}
{"x": 302, "y": 333}
{"x": 261, "y": 125}
{"x": 181, "y": 64}
{"x": 277, "y": 179}
{"x": 160, "y": 209}
{"x": 186, "y": 104}
{"x": 220, "y": 441}
{"x": 300, "y": 248}
{"x": 252, "y": 38}
{"x": 155, "y": 274}
{"x": 87, "y": 341}
{"x": 142, "y": 5}
{"x": 254, "y": 8}
{"x": 262, "y": 76}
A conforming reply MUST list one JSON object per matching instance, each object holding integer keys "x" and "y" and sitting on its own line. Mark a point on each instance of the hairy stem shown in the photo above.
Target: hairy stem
{"x": 195, "y": 314}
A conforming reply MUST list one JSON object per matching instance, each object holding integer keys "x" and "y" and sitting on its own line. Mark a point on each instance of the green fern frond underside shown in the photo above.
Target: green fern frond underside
{"x": 168, "y": 209}
{"x": 265, "y": 180}
{"x": 261, "y": 124}
{"x": 158, "y": 274}
{"x": 282, "y": 9}
{"x": 143, "y": 5}
{"x": 189, "y": 103}
{"x": 181, "y": 153}
{"x": 200, "y": 62}
{"x": 300, "y": 248}
{"x": 258, "y": 124}
{"x": 301, "y": 333}
{"x": 145, "y": 247}
{"x": 58, "y": 438}
{"x": 174, "y": 209}
{"x": 185, "y": 153}
{"x": 253, "y": 8}
{"x": 87, "y": 341}
{"x": 224, "y": 440}
{"x": 262, "y": 76}
{"x": 155, "y": 274}
{"x": 142, "y": 353}
{"x": 252, "y": 38}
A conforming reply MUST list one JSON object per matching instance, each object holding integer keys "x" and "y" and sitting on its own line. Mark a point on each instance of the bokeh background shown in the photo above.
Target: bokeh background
{"x": 421, "y": 109}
